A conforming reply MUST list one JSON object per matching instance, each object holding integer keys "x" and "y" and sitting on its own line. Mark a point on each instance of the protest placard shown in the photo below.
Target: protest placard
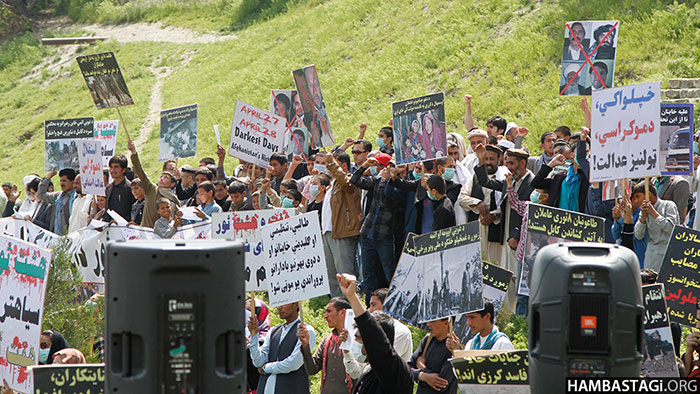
{"x": 105, "y": 80}
{"x": 403, "y": 300}
{"x": 60, "y": 142}
{"x": 315, "y": 113}
{"x": 68, "y": 379}
{"x": 680, "y": 274}
{"x": 178, "y": 133}
{"x": 676, "y": 146}
{"x": 92, "y": 179}
{"x": 419, "y": 129}
{"x": 29, "y": 232}
{"x": 496, "y": 281}
{"x": 294, "y": 259}
{"x": 287, "y": 104}
{"x": 438, "y": 275}
{"x": 588, "y": 60}
{"x": 351, "y": 328}
{"x": 659, "y": 357}
{"x": 625, "y": 132}
{"x": 87, "y": 245}
{"x": 491, "y": 368}
{"x": 256, "y": 134}
{"x": 246, "y": 226}
{"x": 106, "y": 132}
{"x": 24, "y": 270}
{"x": 548, "y": 225}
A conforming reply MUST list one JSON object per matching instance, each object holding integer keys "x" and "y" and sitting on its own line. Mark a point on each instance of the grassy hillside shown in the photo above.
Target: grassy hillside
{"x": 368, "y": 54}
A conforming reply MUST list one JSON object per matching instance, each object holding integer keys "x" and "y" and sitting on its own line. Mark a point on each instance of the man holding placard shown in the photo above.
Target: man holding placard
{"x": 279, "y": 359}
{"x": 328, "y": 356}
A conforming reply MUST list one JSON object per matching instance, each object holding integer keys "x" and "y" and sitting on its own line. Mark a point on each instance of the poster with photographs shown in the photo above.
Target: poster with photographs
{"x": 106, "y": 132}
{"x": 178, "y": 133}
{"x": 404, "y": 298}
{"x": 286, "y": 103}
{"x": 61, "y": 142}
{"x": 659, "y": 356}
{"x": 315, "y": 113}
{"x": 419, "y": 129}
{"x": 676, "y": 145}
{"x": 588, "y": 59}
{"x": 496, "y": 281}
{"x": 439, "y": 275}
{"x": 548, "y": 225}
{"x": 105, "y": 80}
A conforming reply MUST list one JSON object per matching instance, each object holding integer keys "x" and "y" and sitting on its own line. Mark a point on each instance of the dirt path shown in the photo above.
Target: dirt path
{"x": 126, "y": 33}
{"x": 139, "y": 32}
{"x": 156, "y": 104}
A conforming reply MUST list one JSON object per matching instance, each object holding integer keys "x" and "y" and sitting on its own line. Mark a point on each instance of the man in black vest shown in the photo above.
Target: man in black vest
{"x": 516, "y": 162}
{"x": 279, "y": 360}
{"x": 484, "y": 205}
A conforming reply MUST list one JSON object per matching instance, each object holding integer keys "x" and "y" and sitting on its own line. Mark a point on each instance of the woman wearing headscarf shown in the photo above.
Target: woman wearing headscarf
{"x": 432, "y": 139}
{"x": 50, "y": 343}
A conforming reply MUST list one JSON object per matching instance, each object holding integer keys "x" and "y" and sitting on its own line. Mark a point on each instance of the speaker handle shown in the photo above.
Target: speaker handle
{"x": 126, "y": 354}
{"x": 229, "y": 361}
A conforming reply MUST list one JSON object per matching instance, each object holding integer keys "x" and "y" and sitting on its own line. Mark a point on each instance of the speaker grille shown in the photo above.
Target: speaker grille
{"x": 589, "y": 323}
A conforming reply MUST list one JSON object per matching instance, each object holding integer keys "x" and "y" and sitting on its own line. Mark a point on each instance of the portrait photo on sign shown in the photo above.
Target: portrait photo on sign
{"x": 315, "y": 113}
{"x": 419, "y": 129}
{"x": 588, "y": 58}
{"x": 286, "y": 103}
{"x": 178, "y": 133}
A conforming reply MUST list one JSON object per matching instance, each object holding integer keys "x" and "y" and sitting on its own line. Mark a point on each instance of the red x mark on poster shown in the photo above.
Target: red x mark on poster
{"x": 324, "y": 126}
{"x": 289, "y": 125}
{"x": 588, "y": 56}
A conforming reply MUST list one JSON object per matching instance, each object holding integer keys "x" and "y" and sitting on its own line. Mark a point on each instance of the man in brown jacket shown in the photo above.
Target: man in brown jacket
{"x": 154, "y": 192}
{"x": 341, "y": 219}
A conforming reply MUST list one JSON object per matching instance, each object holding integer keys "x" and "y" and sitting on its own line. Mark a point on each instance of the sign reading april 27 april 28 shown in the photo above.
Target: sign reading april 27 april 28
{"x": 626, "y": 130}
{"x": 295, "y": 262}
{"x": 256, "y": 134}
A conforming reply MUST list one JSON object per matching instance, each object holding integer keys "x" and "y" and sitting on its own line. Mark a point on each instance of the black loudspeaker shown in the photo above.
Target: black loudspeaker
{"x": 175, "y": 314}
{"x": 586, "y": 314}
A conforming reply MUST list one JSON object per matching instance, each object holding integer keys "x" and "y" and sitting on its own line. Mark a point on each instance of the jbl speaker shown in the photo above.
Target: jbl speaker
{"x": 586, "y": 314}
{"x": 175, "y": 314}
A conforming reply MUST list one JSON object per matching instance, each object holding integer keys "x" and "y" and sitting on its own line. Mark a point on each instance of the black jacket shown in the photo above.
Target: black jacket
{"x": 390, "y": 374}
{"x": 413, "y": 185}
{"x": 443, "y": 214}
{"x": 524, "y": 191}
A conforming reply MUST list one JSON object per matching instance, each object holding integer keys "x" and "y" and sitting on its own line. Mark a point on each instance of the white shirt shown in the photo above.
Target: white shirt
{"x": 79, "y": 212}
{"x": 403, "y": 340}
{"x": 259, "y": 355}
{"x": 327, "y": 212}
{"x": 502, "y": 343}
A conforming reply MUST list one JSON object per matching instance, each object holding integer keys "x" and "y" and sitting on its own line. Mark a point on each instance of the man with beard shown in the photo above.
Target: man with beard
{"x": 516, "y": 162}
{"x": 484, "y": 205}
{"x": 606, "y": 41}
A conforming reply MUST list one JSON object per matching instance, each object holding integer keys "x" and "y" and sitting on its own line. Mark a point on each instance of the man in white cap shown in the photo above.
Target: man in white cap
{"x": 572, "y": 79}
{"x": 475, "y": 137}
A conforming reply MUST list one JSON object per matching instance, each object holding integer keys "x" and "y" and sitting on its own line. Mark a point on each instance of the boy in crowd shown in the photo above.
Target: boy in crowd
{"x": 165, "y": 227}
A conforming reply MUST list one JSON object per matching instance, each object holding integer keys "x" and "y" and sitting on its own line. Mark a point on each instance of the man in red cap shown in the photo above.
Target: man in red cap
{"x": 376, "y": 234}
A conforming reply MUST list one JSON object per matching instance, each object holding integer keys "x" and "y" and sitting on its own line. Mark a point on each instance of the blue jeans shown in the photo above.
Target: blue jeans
{"x": 378, "y": 263}
{"x": 522, "y": 301}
